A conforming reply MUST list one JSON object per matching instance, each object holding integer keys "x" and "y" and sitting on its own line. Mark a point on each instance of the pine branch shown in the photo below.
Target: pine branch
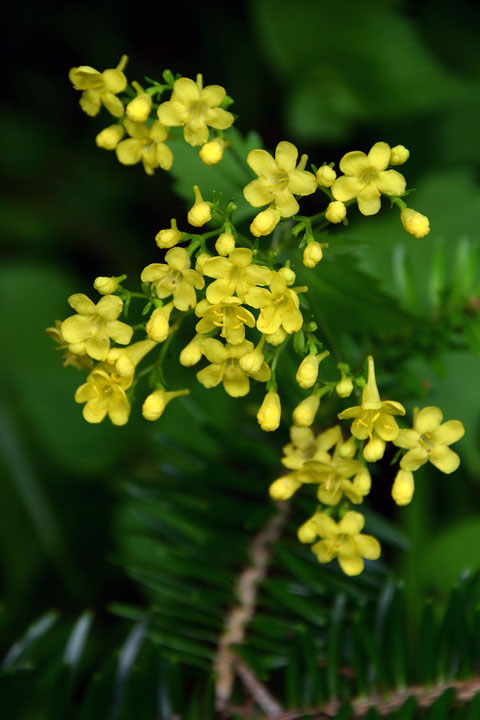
{"x": 226, "y": 662}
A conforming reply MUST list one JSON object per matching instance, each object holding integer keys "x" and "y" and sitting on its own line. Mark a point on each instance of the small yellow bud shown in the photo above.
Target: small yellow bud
{"x": 326, "y": 176}
{"x": 348, "y": 449}
{"x": 415, "y": 223}
{"x": 374, "y": 449}
{"x": 283, "y": 488}
{"x": 200, "y": 262}
{"x": 336, "y": 212}
{"x": 212, "y": 152}
{"x": 109, "y": 138}
{"x": 363, "y": 481}
{"x": 192, "y": 353}
{"x": 169, "y": 237}
{"x": 156, "y": 402}
{"x": 307, "y": 372}
{"x": 251, "y": 362}
{"x": 399, "y": 154}
{"x": 139, "y": 108}
{"x": 276, "y": 338}
{"x": 106, "y": 285}
{"x": 287, "y": 274}
{"x": 344, "y": 388}
{"x": 307, "y": 532}
{"x": 304, "y": 413}
{"x": 265, "y": 222}
{"x": 312, "y": 254}
{"x": 403, "y": 487}
{"x": 225, "y": 244}
{"x": 158, "y": 324}
{"x": 270, "y": 412}
{"x": 200, "y": 212}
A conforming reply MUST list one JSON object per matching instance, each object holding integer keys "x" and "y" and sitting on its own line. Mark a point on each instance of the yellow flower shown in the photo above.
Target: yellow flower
{"x": 195, "y": 108}
{"x": 225, "y": 367}
{"x": 403, "y": 487}
{"x": 429, "y": 441}
{"x": 366, "y": 177}
{"x": 229, "y": 315}
{"x": 373, "y": 418}
{"x": 146, "y": 144}
{"x": 399, "y": 155}
{"x": 234, "y": 275}
{"x": 344, "y": 541}
{"x": 270, "y": 412}
{"x": 139, "y": 108}
{"x": 169, "y": 237}
{"x": 312, "y": 254}
{"x": 212, "y": 152}
{"x": 302, "y": 447}
{"x": 279, "y": 179}
{"x": 200, "y": 212}
{"x": 326, "y": 176}
{"x": 126, "y": 359}
{"x": 158, "y": 325}
{"x": 307, "y": 372}
{"x": 81, "y": 362}
{"x": 415, "y": 223}
{"x": 156, "y": 402}
{"x": 225, "y": 243}
{"x": 104, "y": 393}
{"x": 100, "y": 88}
{"x": 109, "y": 137}
{"x": 336, "y": 212}
{"x": 92, "y": 328}
{"x": 279, "y": 306}
{"x": 175, "y": 277}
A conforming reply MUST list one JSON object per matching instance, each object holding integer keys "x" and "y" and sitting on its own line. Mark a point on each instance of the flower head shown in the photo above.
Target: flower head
{"x": 175, "y": 277}
{"x": 81, "y": 362}
{"x": 145, "y": 144}
{"x": 234, "y": 275}
{"x": 104, "y": 394}
{"x": 225, "y": 367}
{"x": 195, "y": 108}
{"x": 100, "y": 88}
{"x": 279, "y": 306}
{"x": 229, "y": 315}
{"x": 366, "y": 177}
{"x": 92, "y": 328}
{"x": 429, "y": 441}
{"x": 342, "y": 540}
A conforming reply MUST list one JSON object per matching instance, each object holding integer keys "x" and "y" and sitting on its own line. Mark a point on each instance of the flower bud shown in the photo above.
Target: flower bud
{"x": 415, "y": 223}
{"x": 398, "y": 155}
{"x": 127, "y": 359}
{"x": 192, "y": 353}
{"x": 251, "y": 362}
{"x": 362, "y": 481}
{"x": 284, "y": 487}
{"x": 307, "y": 532}
{"x": 287, "y": 274}
{"x": 307, "y": 372}
{"x": 156, "y": 402}
{"x": 169, "y": 237}
{"x": 374, "y": 449}
{"x": 106, "y": 285}
{"x": 265, "y": 222}
{"x": 109, "y": 138}
{"x": 304, "y": 413}
{"x": 403, "y": 487}
{"x": 326, "y": 176}
{"x": 139, "y": 108}
{"x": 312, "y": 254}
{"x": 225, "y": 244}
{"x": 269, "y": 413}
{"x": 344, "y": 388}
{"x": 276, "y": 338}
{"x": 212, "y": 152}
{"x": 336, "y": 211}
{"x": 200, "y": 212}
{"x": 348, "y": 449}
{"x": 158, "y": 324}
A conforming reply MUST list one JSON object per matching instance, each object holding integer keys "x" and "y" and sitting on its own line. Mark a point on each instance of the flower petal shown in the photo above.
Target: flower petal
{"x": 82, "y": 304}
{"x": 368, "y": 547}
{"x": 120, "y": 332}
{"x": 351, "y": 564}
{"x": 346, "y": 187}
{"x": 325, "y": 525}
{"x": 77, "y": 328}
{"x": 391, "y": 182}
{"x": 186, "y": 91}
{"x": 386, "y": 427}
{"x": 407, "y": 439}
{"x": 129, "y": 152}
{"x": 184, "y": 297}
{"x": 210, "y": 376}
{"x": 351, "y": 523}
{"x": 446, "y": 460}
{"x": 195, "y": 133}
{"x": 414, "y": 458}
{"x": 285, "y": 203}
{"x": 449, "y": 432}
{"x": 109, "y": 307}
{"x": 428, "y": 420}
{"x": 262, "y": 163}
{"x": 212, "y": 95}
{"x": 354, "y": 163}
{"x": 119, "y": 410}
{"x": 172, "y": 113}
{"x": 292, "y": 321}
{"x": 163, "y": 156}
{"x": 236, "y": 382}
{"x": 369, "y": 200}
{"x": 214, "y": 351}
{"x": 286, "y": 155}
{"x": 324, "y": 551}
{"x": 97, "y": 346}
{"x": 259, "y": 192}
{"x": 241, "y": 257}
{"x": 219, "y": 119}
{"x": 301, "y": 182}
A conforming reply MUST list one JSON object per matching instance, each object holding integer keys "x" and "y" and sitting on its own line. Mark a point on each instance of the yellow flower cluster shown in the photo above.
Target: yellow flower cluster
{"x": 337, "y": 468}
{"x": 146, "y": 123}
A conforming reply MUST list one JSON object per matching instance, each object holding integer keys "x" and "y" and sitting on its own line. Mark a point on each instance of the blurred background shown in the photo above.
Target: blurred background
{"x": 331, "y": 77}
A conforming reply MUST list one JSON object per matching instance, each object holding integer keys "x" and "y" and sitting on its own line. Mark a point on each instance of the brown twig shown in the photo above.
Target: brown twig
{"x": 226, "y": 662}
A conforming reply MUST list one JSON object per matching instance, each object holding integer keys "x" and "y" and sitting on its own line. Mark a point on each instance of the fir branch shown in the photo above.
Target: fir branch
{"x": 465, "y": 691}
{"x": 226, "y": 662}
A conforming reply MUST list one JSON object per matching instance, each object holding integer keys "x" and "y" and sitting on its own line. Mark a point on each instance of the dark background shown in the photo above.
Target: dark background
{"x": 331, "y": 76}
